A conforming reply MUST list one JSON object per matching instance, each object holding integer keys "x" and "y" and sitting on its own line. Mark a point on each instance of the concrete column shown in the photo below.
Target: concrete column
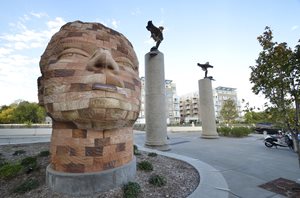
{"x": 156, "y": 124}
{"x": 207, "y": 111}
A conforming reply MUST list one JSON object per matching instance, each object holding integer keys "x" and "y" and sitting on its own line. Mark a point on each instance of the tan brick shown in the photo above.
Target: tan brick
{"x": 109, "y": 150}
{"x": 93, "y": 134}
{"x": 70, "y": 115}
{"x": 113, "y": 114}
{"x": 113, "y": 80}
{"x": 104, "y": 103}
{"x": 94, "y": 78}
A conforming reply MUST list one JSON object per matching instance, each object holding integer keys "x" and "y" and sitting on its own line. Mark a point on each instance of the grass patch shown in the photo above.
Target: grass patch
{"x": 2, "y": 162}
{"x": 145, "y": 166}
{"x": 29, "y": 164}
{"x": 158, "y": 180}
{"x": 131, "y": 190}
{"x": 152, "y": 154}
{"x": 10, "y": 170}
{"x": 26, "y": 186}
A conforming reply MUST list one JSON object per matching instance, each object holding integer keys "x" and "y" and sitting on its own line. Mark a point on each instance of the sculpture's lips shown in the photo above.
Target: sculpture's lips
{"x": 104, "y": 87}
{"x": 108, "y": 87}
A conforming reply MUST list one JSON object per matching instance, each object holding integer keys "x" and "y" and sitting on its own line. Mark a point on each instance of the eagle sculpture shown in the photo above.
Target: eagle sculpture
{"x": 156, "y": 34}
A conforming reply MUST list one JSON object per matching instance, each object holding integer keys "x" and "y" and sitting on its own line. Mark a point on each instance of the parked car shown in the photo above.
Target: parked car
{"x": 266, "y": 127}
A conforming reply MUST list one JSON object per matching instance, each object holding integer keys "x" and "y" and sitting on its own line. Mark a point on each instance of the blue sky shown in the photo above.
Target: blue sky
{"x": 222, "y": 32}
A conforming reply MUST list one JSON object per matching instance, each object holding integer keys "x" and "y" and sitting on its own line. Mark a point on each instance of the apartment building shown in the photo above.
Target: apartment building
{"x": 172, "y": 103}
{"x": 190, "y": 105}
{"x": 189, "y": 108}
{"x": 221, "y": 94}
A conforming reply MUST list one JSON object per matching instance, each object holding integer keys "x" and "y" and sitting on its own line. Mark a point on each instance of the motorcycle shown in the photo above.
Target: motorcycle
{"x": 282, "y": 140}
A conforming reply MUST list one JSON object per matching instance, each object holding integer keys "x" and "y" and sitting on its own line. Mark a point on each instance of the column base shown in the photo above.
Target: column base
{"x": 213, "y": 136}
{"x": 164, "y": 147}
{"x": 85, "y": 184}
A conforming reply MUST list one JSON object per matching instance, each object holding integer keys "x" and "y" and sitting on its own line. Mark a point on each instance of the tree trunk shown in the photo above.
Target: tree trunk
{"x": 296, "y": 132}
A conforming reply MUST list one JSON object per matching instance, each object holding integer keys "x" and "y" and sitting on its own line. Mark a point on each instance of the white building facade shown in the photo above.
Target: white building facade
{"x": 190, "y": 105}
{"x": 172, "y": 103}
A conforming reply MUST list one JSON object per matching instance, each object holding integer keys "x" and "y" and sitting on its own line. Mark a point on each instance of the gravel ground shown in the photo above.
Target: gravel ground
{"x": 182, "y": 178}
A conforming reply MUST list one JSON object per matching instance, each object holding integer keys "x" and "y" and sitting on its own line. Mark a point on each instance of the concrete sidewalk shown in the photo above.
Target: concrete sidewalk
{"x": 245, "y": 163}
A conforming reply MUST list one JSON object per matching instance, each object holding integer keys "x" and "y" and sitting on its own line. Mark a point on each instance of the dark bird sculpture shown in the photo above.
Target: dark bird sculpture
{"x": 156, "y": 34}
{"x": 204, "y": 68}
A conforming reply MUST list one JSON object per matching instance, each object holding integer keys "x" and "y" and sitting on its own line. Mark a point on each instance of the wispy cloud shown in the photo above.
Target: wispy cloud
{"x": 115, "y": 23}
{"x": 26, "y": 38}
{"x": 20, "y": 52}
{"x": 136, "y": 12}
{"x": 39, "y": 14}
{"x": 295, "y": 27}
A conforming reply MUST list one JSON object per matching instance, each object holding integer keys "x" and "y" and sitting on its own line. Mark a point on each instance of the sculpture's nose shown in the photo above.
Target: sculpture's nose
{"x": 102, "y": 59}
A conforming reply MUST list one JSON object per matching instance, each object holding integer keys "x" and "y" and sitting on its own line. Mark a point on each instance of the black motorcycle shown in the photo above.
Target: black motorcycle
{"x": 282, "y": 140}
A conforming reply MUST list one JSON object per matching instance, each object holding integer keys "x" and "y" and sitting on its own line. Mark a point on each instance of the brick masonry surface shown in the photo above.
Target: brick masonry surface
{"x": 79, "y": 151}
{"x": 90, "y": 87}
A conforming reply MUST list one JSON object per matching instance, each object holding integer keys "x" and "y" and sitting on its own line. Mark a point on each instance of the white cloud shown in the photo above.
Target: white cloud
{"x": 19, "y": 68}
{"x": 115, "y": 23}
{"x": 295, "y": 27}
{"x": 26, "y": 38}
{"x": 24, "y": 18}
{"x": 5, "y": 51}
{"x": 56, "y": 23}
{"x": 39, "y": 14}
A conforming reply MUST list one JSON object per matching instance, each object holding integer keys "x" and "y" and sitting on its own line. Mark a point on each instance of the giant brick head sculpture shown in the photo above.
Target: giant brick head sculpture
{"x": 91, "y": 89}
{"x": 90, "y": 77}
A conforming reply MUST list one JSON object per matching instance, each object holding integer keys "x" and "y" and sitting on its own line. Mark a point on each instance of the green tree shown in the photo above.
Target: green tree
{"x": 229, "y": 112}
{"x": 277, "y": 76}
{"x": 22, "y": 112}
{"x": 7, "y": 114}
{"x": 252, "y": 117}
{"x": 29, "y": 113}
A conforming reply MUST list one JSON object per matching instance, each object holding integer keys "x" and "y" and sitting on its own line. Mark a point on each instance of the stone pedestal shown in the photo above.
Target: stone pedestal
{"x": 207, "y": 111}
{"x": 156, "y": 125}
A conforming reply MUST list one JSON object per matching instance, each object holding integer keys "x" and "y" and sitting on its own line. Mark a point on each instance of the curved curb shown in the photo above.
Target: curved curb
{"x": 212, "y": 183}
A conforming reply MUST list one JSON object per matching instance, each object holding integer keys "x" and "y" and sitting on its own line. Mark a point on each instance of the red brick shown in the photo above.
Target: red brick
{"x": 79, "y": 133}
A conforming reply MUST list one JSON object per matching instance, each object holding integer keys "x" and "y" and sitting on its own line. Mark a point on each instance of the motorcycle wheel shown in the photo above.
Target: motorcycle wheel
{"x": 268, "y": 144}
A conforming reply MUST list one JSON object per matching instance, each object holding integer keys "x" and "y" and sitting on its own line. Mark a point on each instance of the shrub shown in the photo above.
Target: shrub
{"x": 10, "y": 170}
{"x": 145, "y": 165}
{"x": 234, "y": 132}
{"x": 157, "y": 180}
{"x": 131, "y": 190}
{"x": 152, "y": 154}
{"x": 136, "y": 150}
{"x": 19, "y": 152}
{"x": 29, "y": 164}
{"x": 26, "y": 186}
{"x": 44, "y": 153}
{"x": 224, "y": 131}
{"x": 240, "y": 131}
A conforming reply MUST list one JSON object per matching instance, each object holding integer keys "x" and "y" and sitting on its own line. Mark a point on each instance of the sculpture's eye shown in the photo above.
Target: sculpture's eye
{"x": 126, "y": 63}
{"x": 72, "y": 53}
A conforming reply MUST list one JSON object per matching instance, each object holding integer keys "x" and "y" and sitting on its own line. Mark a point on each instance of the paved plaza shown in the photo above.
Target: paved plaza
{"x": 245, "y": 163}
